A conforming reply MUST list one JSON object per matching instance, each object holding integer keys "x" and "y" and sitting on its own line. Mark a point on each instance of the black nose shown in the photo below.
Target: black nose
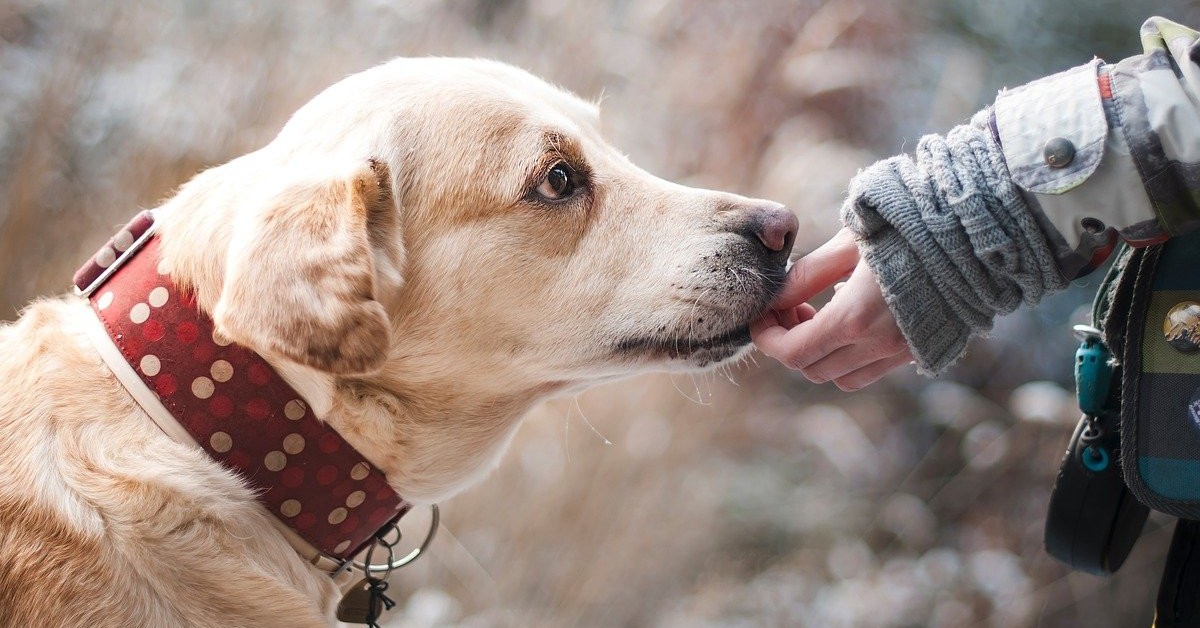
{"x": 775, "y": 227}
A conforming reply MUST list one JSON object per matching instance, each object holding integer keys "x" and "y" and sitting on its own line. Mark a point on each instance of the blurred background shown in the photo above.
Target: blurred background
{"x": 750, "y": 498}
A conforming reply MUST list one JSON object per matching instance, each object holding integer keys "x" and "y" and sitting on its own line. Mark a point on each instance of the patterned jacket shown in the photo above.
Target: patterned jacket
{"x": 1035, "y": 191}
{"x": 1110, "y": 150}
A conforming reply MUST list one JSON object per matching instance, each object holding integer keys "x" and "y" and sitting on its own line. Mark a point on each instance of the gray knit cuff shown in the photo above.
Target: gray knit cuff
{"x": 951, "y": 241}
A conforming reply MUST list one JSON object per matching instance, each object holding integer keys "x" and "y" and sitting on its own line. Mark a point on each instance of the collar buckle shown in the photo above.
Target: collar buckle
{"x": 115, "y": 252}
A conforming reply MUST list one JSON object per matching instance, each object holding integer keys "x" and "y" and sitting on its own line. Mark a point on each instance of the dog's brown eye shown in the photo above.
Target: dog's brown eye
{"x": 559, "y": 182}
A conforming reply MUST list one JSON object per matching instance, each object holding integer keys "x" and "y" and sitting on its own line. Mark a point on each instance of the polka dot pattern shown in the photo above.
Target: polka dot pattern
{"x": 106, "y": 257}
{"x": 275, "y": 460}
{"x": 221, "y": 371}
{"x": 220, "y": 442}
{"x": 293, "y": 443}
{"x": 220, "y": 340}
{"x": 157, "y": 297}
{"x": 203, "y": 387}
{"x": 290, "y": 507}
{"x": 294, "y": 410}
{"x": 140, "y": 313}
{"x": 241, "y": 412}
{"x": 122, "y": 241}
{"x": 150, "y": 365}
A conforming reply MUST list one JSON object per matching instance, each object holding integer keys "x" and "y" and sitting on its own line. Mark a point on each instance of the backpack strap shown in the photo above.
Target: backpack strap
{"x": 1111, "y": 308}
{"x": 1178, "y": 603}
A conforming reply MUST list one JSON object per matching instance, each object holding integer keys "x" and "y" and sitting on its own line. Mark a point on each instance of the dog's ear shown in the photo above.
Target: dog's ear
{"x": 303, "y": 279}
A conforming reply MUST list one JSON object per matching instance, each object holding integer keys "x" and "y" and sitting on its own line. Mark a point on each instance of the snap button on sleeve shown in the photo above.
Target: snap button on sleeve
{"x": 1050, "y": 124}
{"x": 1058, "y": 152}
{"x": 1092, "y": 225}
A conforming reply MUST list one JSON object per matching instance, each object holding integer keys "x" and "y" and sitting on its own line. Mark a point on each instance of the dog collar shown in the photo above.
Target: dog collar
{"x": 227, "y": 400}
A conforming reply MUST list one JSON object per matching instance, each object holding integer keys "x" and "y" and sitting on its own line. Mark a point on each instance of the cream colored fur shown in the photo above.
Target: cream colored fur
{"x": 385, "y": 252}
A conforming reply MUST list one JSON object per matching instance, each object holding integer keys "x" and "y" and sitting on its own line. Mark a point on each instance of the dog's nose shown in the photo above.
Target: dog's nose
{"x": 776, "y": 228}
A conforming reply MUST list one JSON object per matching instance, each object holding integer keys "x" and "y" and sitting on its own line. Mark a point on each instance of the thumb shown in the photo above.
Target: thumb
{"x": 815, "y": 272}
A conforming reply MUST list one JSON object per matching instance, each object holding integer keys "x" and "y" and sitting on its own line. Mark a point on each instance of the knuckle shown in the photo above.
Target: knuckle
{"x": 796, "y": 362}
{"x": 855, "y": 325}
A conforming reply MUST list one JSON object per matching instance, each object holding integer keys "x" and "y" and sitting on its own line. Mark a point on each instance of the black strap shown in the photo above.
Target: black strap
{"x": 1178, "y": 604}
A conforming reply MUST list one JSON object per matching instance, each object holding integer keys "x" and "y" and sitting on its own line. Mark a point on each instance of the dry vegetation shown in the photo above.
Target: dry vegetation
{"x": 746, "y": 498}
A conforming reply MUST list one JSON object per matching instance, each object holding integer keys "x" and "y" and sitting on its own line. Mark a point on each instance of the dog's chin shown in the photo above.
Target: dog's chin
{"x": 686, "y": 350}
{"x": 691, "y": 353}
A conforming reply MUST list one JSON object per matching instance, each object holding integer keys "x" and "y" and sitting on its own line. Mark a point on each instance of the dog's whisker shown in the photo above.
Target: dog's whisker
{"x": 589, "y": 423}
{"x": 567, "y": 434}
{"x": 696, "y": 400}
{"x": 699, "y": 394}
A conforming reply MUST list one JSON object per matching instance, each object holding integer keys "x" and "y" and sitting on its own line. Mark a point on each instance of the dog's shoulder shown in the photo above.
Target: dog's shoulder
{"x": 98, "y": 507}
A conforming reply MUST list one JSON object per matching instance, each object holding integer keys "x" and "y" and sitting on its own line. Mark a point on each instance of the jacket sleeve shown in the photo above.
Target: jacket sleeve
{"x": 1106, "y": 152}
{"x": 1034, "y": 191}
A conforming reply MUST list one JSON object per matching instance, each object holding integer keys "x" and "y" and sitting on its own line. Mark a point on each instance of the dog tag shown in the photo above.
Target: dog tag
{"x": 360, "y": 605}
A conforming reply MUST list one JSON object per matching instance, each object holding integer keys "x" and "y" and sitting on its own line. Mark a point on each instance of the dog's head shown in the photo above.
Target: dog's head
{"x": 443, "y": 220}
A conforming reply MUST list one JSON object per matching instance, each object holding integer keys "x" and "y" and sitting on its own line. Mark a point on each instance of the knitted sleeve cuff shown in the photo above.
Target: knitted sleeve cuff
{"x": 936, "y": 336}
{"x": 950, "y": 240}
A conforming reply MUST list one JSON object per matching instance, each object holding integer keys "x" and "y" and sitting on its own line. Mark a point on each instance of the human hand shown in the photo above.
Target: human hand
{"x": 853, "y": 341}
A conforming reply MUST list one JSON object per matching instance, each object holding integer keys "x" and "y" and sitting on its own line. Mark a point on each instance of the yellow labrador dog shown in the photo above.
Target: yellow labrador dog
{"x": 426, "y": 250}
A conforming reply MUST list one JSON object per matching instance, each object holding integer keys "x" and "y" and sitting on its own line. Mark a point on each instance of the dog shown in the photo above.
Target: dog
{"x": 426, "y": 250}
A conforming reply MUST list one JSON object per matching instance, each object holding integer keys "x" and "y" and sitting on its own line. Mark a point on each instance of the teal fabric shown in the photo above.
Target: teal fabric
{"x": 1179, "y": 266}
{"x": 1171, "y": 478}
{"x": 1160, "y": 428}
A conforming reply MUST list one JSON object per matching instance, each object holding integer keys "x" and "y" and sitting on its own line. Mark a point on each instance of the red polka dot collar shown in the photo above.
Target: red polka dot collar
{"x": 227, "y": 400}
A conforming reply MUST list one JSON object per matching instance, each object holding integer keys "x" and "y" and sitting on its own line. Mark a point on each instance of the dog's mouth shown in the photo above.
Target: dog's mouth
{"x": 682, "y": 348}
{"x": 693, "y": 342}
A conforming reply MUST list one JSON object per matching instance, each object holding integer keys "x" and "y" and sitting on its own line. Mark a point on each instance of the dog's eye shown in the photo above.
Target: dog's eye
{"x": 559, "y": 182}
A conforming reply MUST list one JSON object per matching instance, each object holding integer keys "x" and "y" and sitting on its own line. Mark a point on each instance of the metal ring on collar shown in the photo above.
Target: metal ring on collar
{"x": 393, "y": 564}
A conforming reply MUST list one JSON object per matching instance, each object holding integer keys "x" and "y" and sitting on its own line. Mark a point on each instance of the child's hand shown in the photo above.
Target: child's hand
{"x": 852, "y": 341}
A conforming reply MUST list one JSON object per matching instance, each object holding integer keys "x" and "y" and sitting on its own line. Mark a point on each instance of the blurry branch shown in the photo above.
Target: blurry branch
{"x": 41, "y": 156}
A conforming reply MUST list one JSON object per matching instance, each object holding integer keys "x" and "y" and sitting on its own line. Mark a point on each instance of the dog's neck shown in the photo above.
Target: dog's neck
{"x": 431, "y": 433}
{"x": 429, "y": 444}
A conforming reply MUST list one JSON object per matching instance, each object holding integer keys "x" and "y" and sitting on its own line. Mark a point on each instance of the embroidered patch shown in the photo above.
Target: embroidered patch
{"x": 1194, "y": 408}
{"x": 1181, "y": 327}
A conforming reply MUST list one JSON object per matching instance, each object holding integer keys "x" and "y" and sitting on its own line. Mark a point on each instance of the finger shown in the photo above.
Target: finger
{"x": 786, "y": 319}
{"x": 815, "y": 272}
{"x": 806, "y": 312}
{"x": 872, "y": 372}
{"x": 767, "y": 320}
{"x": 847, "y": 359}
{"x": 791, "y": 317}
{"x": 803, "y": 344}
